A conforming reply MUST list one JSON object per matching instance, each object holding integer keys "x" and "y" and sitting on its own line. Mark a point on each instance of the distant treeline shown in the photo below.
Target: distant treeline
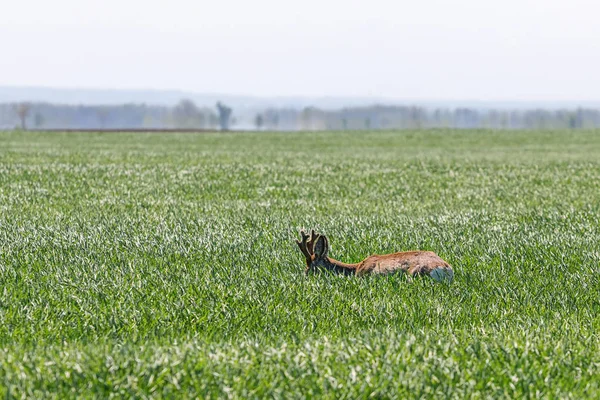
{"x": 187, "y": 115}
{"x": 127, "y": 116}
{"x": 398, "y": 117}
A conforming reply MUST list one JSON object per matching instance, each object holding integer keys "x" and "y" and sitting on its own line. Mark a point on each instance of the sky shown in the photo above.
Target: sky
{"x": 517, "y": 50}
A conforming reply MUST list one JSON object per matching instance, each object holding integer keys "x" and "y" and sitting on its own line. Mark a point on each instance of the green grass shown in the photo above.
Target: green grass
{"x": 160, "y": 265}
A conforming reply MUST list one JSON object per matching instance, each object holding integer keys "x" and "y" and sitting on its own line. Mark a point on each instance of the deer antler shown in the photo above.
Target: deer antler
{"x": 310, "y": 245}
{"x": 307, "y": 246}
{"x": 302, "y": 245}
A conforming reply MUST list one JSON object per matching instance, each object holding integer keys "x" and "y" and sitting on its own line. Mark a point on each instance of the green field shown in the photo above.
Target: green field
{"x": 162, "y": 265}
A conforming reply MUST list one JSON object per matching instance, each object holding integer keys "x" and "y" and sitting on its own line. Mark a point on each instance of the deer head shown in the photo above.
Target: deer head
{"x": 315, "y": 250}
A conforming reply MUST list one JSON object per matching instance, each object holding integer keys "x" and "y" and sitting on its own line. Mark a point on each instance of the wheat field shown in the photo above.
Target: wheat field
{"x": 164, "y": 265}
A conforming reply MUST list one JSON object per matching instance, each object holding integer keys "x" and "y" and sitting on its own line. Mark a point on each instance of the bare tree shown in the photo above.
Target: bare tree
{"x": 23, "y": 110}
{"x": 224, "y": 116}
{"x": 259, "y": 121}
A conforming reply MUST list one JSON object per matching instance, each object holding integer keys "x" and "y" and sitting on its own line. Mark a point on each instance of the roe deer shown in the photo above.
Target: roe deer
{"x": 411, "y": 262}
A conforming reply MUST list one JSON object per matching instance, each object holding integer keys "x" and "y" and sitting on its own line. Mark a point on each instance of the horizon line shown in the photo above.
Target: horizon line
{"x": 294, "y": 96}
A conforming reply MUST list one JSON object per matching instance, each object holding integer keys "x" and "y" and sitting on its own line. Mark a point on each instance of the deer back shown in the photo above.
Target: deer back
{"x": 410, "y": 262}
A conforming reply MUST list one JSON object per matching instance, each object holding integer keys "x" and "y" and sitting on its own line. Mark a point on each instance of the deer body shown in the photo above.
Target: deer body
{"x": 411, "y": 262}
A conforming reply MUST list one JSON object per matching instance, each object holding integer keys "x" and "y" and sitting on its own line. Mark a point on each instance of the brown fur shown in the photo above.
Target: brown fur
{"x": 413, "y": 263}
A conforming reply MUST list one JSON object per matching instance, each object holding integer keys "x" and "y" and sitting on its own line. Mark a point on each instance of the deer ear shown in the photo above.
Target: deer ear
{"x": 321, "y": 247}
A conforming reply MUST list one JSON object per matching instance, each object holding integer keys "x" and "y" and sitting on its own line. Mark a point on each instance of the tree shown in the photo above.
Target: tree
{"x": 572, "y": 120}
{"x": 38, "y": 119}
{"x": 275, "y": 120}
{"x": 213, "y": 120}
{"x": 306, "y": 118}
{"x": 224, "y": 116}
{"x": 259, "y": 121}
{"x": 187, "y": 115}
{"x": 271, "y": 119}
{"x": 23, "y": 111}
{"x": 102, "y": 114}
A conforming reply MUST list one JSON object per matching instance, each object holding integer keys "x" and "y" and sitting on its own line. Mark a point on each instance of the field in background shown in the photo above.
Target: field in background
{"x": 164, "y": 264}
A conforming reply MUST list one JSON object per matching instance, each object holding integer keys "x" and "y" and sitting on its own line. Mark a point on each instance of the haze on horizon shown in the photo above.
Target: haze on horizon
{"x": 432, "y": 49}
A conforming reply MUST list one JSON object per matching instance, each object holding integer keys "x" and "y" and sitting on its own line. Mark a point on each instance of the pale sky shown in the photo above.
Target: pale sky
{"x": 419, "y": 49}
